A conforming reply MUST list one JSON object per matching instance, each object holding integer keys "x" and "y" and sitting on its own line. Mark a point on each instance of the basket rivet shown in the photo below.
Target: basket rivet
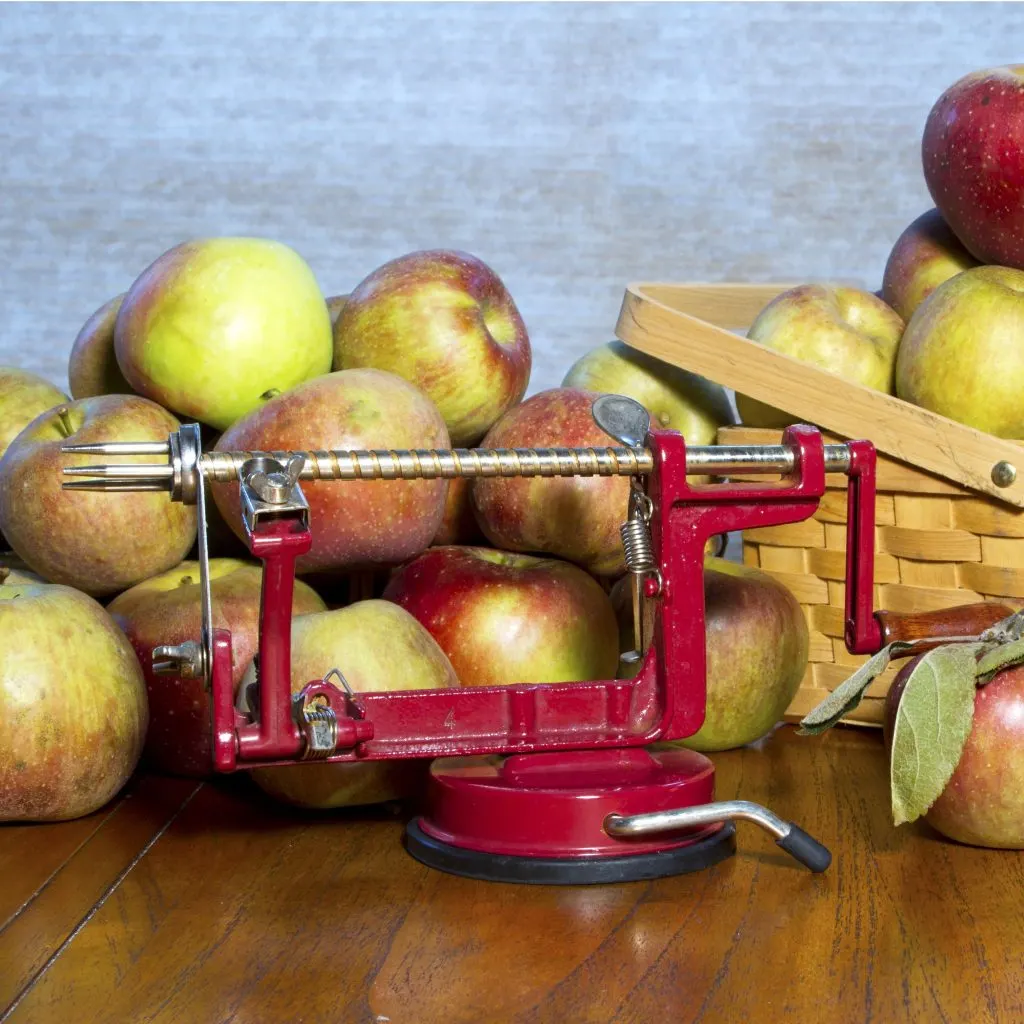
{"x": 1003, "y": 474}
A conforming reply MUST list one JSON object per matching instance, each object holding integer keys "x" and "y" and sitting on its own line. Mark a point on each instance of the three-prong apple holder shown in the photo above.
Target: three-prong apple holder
{"x": 531, "y": 782}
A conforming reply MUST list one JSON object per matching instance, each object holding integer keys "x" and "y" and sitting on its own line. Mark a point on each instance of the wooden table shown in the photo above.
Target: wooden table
{"x": 203, "y": 902}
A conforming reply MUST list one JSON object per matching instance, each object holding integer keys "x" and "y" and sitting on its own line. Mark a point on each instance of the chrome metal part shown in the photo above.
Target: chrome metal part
{"x": 184, "y": 659}
{"x": 1004, "y": 473}
{"x": 269, "y": 489}
{"x": 622, "y": 418}
{"x": 692, "y": 817}
{"x": 206, "y": 597}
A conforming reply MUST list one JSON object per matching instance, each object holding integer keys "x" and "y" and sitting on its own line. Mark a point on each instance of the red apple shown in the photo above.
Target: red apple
{"x": 23, "y": 397}
{"x": 510, "y": 618}
{"x": 459, "y": 525}
{"x": 983, "y": 802}
{"x": 445, "y": 321}
{"x": 356, "y": 524}
{"x": 165, "y": 609}
{"x": 925, "y": 255}
{"x": 92, "y": 366}
{"x": 72, "y": 704}
{"x": 377, "y": 646}
{"x": 576, "y": 518}
{"x": 973, "y": 154}
{"x": 335, "y": 304}
{"x": 96, "y": 542}
{"x": 757, "y": 650}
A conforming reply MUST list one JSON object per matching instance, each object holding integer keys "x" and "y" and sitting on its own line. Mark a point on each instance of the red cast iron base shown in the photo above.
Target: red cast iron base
{"x": 540, "y": 817}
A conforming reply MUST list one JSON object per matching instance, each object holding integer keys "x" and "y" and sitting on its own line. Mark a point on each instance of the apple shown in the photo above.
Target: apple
{"x": 377, "y": 646}
{"x": 356, "y": 524}
{"x": 972, "y": 149}
{"x": 215, "y": 327}
{"x": 962, "y": 355}
{"x": 14, "y": 570}
{"x": 846, "y": 331}
{"x": 166, "y": 609}
{"x": 575, "y": 518}
{"x": 72, "y": 704}
{"x": 757, "y": 650}
{"x": 983, "y": 802}
{"x": 676, "y": 399}
{"x": 445, "y": 321}
{"x": 925, "y": 255}
{"x": 503, "y": 617}
{"x": 459, "y": 525}
{"x": 97, "y": 542}
{"x": 335, "y": 304}
{"x": 92, "y": 366}
{"x": 23, "y": 396}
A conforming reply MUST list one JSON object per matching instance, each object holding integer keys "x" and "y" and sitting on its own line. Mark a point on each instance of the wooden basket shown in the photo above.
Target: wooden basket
{"x": 946, "y": 533}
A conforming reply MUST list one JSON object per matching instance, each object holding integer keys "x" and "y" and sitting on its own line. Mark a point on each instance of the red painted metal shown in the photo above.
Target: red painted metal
{"x": 863, "y": 632}
{"x": 555, "y": 805}
{"x": 573, "y": 745}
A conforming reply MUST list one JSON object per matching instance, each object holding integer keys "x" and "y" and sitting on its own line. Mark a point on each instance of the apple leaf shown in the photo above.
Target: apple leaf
{"x": 1003, "y": 656}
{"x": 847, "y": 695}
{"x": 932, "y": 724}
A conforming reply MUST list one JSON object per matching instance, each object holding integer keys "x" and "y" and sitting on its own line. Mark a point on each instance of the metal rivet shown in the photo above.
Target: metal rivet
{"x": 1004, "y": 474}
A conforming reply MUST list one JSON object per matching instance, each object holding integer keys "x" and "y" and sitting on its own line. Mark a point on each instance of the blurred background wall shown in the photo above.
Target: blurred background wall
{"x": 574, "y": 147}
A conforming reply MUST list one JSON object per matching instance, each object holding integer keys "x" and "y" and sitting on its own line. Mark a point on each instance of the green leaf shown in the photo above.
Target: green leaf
{"x": 847, "y": 695}
{"x": 1003, "y": 656}
{"x": 932, "y": 724}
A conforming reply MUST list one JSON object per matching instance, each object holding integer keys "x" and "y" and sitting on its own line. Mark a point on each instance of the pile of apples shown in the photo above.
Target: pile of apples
{"x": 945, "y": 332}
{"x": 946, "y": 329}
{"x": 408, "y": 584}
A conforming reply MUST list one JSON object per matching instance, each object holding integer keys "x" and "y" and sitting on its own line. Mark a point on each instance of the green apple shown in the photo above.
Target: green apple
{"x": 676, "y": 399}
{"x": 166, "y": 609}
{"x": 962, "y": 355}
{"x": 445, "y": 321}
{"x": 377, "y": 646}
{"x": 510, "y": 618}
{"x": 92, "y": 366}
{"x": 215, "y": 327}
{"x": 96, "y": 542}
{"x": 73, "y": 711}
{"x": 845, "y": 331}
{"x": 14, "y": 570}
{"x": 23, "y": 396}
{"x": 925, "y": 255}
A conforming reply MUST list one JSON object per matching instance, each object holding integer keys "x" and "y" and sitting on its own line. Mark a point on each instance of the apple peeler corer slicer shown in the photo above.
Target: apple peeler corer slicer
{"x": 530, "y": 782}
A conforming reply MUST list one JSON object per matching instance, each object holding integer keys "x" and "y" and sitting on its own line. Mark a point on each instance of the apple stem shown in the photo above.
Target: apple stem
{"x": 65, "y": 421}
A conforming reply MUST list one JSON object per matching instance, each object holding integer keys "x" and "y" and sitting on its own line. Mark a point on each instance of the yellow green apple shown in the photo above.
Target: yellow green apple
{"x": 842, "y": 330}
{"x": 444, "y": 320}
{"x": 962, "y": 355}
{"x": 676, "y": 399}
{"x": 215, "y": 327}
{"x": 23, "y": 396}
{"x": 377, "y": 646}
{"x": 73, "y": 709}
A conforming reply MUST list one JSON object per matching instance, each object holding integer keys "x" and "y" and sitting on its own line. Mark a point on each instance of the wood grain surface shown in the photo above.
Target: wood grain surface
{"x": 238, "y": 910}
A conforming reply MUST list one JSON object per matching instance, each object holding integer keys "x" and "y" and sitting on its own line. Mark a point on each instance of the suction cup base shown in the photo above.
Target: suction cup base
{"x": 635, "y": 867}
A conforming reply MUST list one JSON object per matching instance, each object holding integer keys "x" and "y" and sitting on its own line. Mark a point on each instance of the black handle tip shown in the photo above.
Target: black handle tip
{"x": 806, "y": 849}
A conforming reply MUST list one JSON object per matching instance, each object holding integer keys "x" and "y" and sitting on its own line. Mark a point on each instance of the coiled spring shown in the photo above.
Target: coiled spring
{"x": 636, "y": 534}
{"x": 320, "y": 730}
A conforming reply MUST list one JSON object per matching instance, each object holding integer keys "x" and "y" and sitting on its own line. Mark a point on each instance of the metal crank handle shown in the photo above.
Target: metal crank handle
{"x": 794, "y": 840}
